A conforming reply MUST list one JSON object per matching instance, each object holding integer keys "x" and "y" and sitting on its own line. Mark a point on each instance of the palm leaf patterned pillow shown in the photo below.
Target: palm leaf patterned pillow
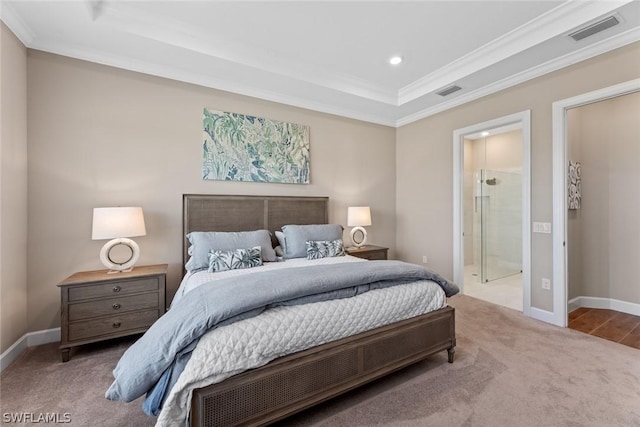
{"x": 234, "y": 259}
{"x": 324, "y": 248}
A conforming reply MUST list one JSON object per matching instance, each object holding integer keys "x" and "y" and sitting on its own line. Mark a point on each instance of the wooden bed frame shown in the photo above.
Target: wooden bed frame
{"x": 292, "y": 383}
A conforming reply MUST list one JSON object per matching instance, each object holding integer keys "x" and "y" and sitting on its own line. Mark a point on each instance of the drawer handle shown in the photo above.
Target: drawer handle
{"x": 116, "y": 306}
{"x": 116, "y": 325}
{"x": 116, "y": 289}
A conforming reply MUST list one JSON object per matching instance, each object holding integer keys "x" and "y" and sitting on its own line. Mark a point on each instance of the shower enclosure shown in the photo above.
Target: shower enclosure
{"x": 497, "y": 224}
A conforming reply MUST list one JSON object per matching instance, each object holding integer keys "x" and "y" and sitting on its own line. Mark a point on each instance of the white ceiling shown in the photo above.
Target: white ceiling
{"x": 330, "y": 56}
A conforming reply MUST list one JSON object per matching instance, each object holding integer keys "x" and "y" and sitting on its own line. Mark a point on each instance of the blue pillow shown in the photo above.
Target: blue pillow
{"x": 317, "y": 249}
{"x": 297, "y": 236}
{"x": 281, "y": 243}
{"x": 202, "y": 242}
{"x": 234, "y": 259}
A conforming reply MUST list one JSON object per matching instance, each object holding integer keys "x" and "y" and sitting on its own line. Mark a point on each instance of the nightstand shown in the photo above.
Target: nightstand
{"x": 97, "y": 306}
{"x": 370, "y": 252}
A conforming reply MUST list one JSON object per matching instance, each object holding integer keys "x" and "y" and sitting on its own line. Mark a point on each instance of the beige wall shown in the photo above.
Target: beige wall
{"x": 604, "y": 235}
{"x": 100, "y": 136}
{"x": 503, "y": 152}
{"x": 424, "y": 158}
{"x": 13, "y": 186}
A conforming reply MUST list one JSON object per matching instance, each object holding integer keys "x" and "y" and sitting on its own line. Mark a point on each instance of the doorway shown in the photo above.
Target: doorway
{"x": 560, "y": 202}
{"x": 491, "y": 211}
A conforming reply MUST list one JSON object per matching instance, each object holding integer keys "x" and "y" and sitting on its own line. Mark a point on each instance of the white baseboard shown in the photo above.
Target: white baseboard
{"x": 608, "y": 303}
{"x": 573, "y": 304}
{"x": 13, "y": 352}
{"x": 543, "y": 315}
{"x": 28, "y": 340}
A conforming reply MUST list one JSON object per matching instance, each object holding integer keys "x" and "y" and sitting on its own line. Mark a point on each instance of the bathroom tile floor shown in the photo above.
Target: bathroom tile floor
{"x": 611, "y": 325}
{"x": 506, "y": 292}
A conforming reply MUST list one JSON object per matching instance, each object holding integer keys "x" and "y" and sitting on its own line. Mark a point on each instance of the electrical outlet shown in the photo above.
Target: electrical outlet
{"x": 424, "y": 259}
{"x": 546, "y": 283}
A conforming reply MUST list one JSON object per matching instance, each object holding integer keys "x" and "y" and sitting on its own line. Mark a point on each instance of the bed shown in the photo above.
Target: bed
{"x": 298, "y": 381}
{"x": 302, "y": 376}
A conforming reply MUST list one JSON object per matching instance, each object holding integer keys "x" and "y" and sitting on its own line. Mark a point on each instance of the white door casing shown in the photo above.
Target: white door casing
{"x": 524, "y": 118}
{"x": 559, "y": 111}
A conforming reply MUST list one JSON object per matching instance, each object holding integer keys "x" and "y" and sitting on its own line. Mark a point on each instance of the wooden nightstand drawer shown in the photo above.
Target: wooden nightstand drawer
{"x": 369, "y": 252}
{"x": 122, "y": 304}
{"x": 113, "y": 289}
{"x": 96, "y": 305}
{"x": 112, "y": 325}
{"x": 374, "y": 255}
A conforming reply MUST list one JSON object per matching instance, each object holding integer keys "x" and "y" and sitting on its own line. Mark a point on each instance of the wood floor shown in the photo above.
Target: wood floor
{"x": 611, "y": 325}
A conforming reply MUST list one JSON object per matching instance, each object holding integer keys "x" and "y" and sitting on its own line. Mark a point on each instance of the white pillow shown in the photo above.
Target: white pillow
{"x": 234, "y": 259}
{"x": 317, "y": 249}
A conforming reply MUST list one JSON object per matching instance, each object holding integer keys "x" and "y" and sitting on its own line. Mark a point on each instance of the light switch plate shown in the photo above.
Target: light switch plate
{"x": 542, "y": 227}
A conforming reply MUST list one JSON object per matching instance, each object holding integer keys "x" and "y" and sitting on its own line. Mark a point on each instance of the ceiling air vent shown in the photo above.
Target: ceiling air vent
{"x": 594, "y": 28}
{"x": 449, "y": 90}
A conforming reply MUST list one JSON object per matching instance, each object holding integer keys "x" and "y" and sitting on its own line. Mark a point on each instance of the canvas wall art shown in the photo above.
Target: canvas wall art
{"x": 574, "y": 182}
{"x": 239, "y": 147}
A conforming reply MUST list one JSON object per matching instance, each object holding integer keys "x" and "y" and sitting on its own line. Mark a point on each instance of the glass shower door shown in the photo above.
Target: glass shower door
{"x": 501, "y": 224}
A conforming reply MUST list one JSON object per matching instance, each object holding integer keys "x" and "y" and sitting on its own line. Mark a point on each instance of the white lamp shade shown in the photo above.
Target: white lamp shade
{"x": 112, "y": 223}
{"x": 358, "y": 216}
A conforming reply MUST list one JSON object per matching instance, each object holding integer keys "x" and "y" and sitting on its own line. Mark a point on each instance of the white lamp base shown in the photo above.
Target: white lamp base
{"x": 119, "y": 267}
{"x": 354, "y": 230}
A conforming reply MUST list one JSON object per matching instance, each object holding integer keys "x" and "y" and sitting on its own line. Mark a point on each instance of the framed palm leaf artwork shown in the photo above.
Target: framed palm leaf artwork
{"x": 239, "y": 147}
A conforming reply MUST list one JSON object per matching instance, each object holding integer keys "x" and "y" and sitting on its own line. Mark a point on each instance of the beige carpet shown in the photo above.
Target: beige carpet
{"x": 509, "y": 371}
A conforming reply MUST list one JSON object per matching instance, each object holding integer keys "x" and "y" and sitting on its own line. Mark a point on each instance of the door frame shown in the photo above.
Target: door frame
{"x": 560, "y": 250}
{"x": 524, "y": 118}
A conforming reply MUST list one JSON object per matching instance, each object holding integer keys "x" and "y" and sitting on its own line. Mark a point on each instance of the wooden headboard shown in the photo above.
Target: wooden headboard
{"x": 208, "y": 212}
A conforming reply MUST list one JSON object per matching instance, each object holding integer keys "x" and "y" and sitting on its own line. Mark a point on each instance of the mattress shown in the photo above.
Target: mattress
{"x": 250, "y": 343}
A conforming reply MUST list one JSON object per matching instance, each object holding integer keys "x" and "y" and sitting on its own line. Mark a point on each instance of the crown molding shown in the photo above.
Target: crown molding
{"x": 174, "y": 73}
{"x": 560, "y": 19}
{"x": 206, "y": 80}
{"x": 16, "y": 24}
{"x": 375, "y": 110}
{"x": 175, "y": 33}
{"x": 603, "y": 46}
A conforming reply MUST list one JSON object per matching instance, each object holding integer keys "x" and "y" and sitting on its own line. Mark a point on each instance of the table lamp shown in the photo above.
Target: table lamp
{"x": 358, "y": 217}
{"x": 118, "y": 224}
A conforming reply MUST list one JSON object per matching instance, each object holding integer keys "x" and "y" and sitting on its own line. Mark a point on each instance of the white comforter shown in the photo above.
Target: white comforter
{"x": 251, "y": 343}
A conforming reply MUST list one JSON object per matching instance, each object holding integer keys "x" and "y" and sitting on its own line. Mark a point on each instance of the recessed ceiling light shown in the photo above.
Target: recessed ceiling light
{"x": 485, "y": 133}
{"x": 395, "y": 60}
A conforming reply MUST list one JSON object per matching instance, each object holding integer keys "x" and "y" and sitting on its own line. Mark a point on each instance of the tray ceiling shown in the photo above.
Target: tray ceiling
{"x": 330, "y": 56}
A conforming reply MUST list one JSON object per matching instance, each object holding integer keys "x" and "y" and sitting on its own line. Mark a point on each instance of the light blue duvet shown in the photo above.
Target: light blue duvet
{"x": 223, "y": 301}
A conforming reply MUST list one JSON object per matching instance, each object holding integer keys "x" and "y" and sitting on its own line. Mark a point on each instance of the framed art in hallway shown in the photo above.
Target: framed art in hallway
{"x": 574, "y": 190}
